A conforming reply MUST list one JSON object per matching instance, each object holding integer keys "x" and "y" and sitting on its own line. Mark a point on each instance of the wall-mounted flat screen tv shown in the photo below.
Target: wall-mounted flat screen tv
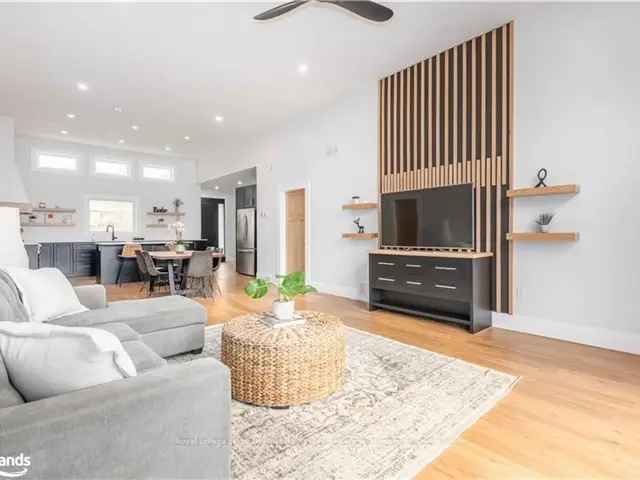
{"x": 434, "y": 217}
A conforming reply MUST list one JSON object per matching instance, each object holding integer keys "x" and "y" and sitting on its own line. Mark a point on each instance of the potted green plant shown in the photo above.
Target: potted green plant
{"x": 288, "y": 286}
{"x": 543, "y": 221}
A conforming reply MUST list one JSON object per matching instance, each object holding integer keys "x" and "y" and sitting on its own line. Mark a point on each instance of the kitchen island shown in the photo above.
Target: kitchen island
{"x": 108, "y": 261}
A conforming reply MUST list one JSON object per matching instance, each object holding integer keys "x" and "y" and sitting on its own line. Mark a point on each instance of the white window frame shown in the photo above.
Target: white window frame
{"x": 35, "y": 161}
{"x": 113, "y": 198}
{"x": 95, "y": 161}
{"x": 171, "y": 168}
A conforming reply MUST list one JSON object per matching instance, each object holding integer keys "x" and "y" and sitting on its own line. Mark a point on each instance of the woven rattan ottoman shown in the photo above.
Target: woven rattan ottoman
{"x": 279, "y": 367}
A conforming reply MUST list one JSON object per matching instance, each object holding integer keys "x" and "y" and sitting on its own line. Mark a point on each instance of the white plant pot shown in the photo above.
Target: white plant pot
{"x": 543, "y": 228}
{"x": 283, "y": 310}
{"x": 181, "y": 248}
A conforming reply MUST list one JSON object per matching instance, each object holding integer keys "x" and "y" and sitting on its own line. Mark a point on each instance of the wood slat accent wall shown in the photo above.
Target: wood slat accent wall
{"x": 448, "y": 120}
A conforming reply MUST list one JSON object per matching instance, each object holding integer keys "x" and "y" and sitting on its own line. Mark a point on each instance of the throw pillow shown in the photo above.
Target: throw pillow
{"x": 46, "y": 293}
{"x": 44, "y": 360}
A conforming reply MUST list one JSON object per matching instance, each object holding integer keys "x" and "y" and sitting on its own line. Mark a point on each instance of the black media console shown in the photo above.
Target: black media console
{"x": 450, "y": 286}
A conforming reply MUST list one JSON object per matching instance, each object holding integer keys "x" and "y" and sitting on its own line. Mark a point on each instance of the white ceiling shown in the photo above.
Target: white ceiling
{"x": 227, "y": 185}
{"x": 172, "y": 67}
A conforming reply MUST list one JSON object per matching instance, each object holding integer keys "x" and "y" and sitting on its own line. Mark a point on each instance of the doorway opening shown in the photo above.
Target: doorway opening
{"x": 213, "y": 214}
{"x": 295, "y": 231}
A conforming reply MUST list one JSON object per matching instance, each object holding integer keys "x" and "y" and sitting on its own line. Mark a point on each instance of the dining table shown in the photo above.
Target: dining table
{"x": 172, "y": 258}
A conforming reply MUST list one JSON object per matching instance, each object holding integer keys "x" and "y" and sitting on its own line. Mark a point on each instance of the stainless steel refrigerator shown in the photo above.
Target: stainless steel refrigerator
{"x": 246, "y": 241}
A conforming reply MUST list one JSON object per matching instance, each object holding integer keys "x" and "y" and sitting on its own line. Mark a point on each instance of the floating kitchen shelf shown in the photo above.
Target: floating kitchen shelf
{"x": 157, "y": 225}
{"x": 47, "y": 224}
{"x": 360, "y": 206}
{"x": 544, "y": 237}
{"x": 360, "y": 236}
{"x": 167, "y": 214}
{"x": 49, "y": 210}
{"x": 543, "y": 191}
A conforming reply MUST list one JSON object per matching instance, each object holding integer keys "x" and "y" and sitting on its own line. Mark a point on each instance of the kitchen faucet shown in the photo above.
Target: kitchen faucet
{"x": 113, "y": 231}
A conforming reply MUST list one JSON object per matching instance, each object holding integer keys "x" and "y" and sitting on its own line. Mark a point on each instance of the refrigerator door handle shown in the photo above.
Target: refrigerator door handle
{"x": 246, "y": 250}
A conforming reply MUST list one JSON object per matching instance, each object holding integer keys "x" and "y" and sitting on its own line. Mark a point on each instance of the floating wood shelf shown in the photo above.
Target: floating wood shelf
{"x": 49, "y": 210}
{"x": 542, "y": 191}
{"x": 47, "y": 224}
{"x": 360, "y": 206}
{"x": 544, "y": 237}
{"x": 157, "y": 225}
{"x": 167, "y": 214}
{"x": 360, "y": 236}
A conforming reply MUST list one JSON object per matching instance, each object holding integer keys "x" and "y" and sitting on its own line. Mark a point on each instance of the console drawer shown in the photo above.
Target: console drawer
{"x": 450, "y": 290}
{"x": 387, "y": 282}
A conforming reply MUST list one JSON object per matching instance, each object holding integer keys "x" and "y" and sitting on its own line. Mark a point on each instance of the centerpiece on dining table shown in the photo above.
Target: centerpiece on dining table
{"x": 178, "y": 246}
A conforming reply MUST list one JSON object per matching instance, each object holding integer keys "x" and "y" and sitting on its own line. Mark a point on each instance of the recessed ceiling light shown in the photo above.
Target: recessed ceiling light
{"x": 219, "y": 118}
{"x": 64, "y": 132}
{"x": 303, "y": 68}
{"x": 167, "y": 148}
{"x": 239, "y": 182}
{"x": 135, "y": 127}
{"x": 121, "y": 141}
{"x": 71, "y": 115}
{"x": 217, "y": 187}
{"x": 117, "y": 109}
{"x": 187, "y": 138}
{"x": 83, "y": 87}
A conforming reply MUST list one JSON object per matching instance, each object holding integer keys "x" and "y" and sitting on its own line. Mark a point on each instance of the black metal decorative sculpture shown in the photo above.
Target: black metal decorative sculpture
{"x": 360, "y": 227}
{"x": 542, "y": 175}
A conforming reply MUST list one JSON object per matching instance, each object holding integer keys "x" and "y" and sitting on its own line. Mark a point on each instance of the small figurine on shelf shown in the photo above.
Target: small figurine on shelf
{"x": 360, "y": 227}
{"x": 542, "y": 176}
{"x": 543, "y": 221}
{"x": 42, "y": 205}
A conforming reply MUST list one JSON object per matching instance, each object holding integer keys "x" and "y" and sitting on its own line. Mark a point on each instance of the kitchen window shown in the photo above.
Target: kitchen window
{"x": 58, "y": 162}
{"x": 111, "y": 167}
{"x": 158, "y": 172}
{"x": 119, "y": 213}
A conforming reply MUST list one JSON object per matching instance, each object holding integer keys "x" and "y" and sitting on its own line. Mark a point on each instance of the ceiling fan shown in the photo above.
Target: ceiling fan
{"x": 370, "y": 10}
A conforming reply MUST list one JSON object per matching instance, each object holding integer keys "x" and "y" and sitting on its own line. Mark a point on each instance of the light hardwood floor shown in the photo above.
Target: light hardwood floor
{"x": 574, "y": 414}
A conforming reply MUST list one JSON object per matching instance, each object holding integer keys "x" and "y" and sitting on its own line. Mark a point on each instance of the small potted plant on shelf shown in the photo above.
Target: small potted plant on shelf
{"x": 288, "y": 286}
{"x": 543, "y": 221}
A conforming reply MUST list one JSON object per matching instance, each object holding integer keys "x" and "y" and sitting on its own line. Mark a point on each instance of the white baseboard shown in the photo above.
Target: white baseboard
{"x": 595, "y": 336}
{"x": 341, "y": 291}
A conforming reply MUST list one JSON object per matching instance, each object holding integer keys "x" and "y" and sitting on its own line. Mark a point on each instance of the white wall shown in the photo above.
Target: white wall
{"x": 11, "y": 186}
{"x": 71, "y": 191}
{"x": 577, "y": 101}
{"x": 298, "y": 156}
{"x": 576, "y": 105}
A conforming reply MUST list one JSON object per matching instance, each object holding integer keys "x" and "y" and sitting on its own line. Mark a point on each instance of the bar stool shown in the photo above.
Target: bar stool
{"x": 128, "y": 256}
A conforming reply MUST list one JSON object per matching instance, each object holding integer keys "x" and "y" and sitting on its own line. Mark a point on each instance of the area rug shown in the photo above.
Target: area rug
{"x": 400, "y": 408}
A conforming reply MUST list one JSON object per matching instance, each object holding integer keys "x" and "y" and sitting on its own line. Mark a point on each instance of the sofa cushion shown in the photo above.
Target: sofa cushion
{"x": 9, "y": 396}
{"x": 46, "y": 293}
{"x": 144, "y": 316}
{"x": 122, "y": 331}
{"x": 44, "y": 360}
{"x": 143, "y": 357}
{"x": 11, "y": 307}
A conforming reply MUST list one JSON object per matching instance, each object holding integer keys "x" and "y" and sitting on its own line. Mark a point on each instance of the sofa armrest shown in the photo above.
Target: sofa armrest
{"x": 173, "y": 422}
{"x": 92, "y": 296}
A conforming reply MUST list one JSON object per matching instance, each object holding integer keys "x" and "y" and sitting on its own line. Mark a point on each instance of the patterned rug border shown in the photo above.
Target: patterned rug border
{"x": 422, "y": 461}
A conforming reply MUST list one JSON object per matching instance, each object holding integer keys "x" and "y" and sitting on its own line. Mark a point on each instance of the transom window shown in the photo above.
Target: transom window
{"x": 48, "y": 161}
{"x": 157, "y": 172}
{"x": 113, "y": 167}
{"x": 119, "y": 213}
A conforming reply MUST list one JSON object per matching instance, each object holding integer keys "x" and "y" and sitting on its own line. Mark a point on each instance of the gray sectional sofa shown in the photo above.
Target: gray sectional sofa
{"x": 171, "y": 421}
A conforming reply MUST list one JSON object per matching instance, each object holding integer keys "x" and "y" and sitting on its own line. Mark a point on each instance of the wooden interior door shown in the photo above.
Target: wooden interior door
{"x": 296, "y": 241}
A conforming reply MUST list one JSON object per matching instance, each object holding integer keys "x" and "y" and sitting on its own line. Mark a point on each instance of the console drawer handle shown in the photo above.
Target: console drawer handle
{"x": 413, "y": 265}
{"x": 448, "y": 269}
{"x": 390, "y": 264}
{"x": 446, "y": 287}
{"x": 383, "y": 279}
{"x": 413, "y": 283}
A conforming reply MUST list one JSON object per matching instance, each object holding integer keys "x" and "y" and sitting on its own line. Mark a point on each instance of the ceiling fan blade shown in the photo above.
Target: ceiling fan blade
{"x": 280, "y": 10}
{"x": 370, "y": 10}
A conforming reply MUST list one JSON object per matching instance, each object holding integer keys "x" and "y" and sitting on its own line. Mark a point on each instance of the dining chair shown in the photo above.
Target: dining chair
{"x": 127, "y": 255}
{"x": 152, "y": 274}
{"x": 197, "y": 280}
